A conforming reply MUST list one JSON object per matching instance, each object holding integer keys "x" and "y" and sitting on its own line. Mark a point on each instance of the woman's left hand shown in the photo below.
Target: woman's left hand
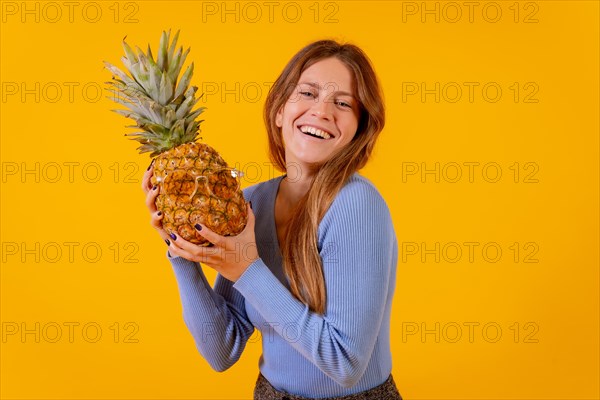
{"x": 230, "y": 255}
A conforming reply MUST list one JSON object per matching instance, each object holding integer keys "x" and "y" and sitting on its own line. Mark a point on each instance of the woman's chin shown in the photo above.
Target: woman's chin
{"x": 310, "y": 163}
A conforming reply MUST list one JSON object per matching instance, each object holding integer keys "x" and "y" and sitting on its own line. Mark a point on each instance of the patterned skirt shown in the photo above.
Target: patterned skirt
{"x": 386, "y": 391}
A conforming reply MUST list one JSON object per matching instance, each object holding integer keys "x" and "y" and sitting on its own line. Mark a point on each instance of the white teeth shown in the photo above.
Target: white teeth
{"x": 315, "y": 131}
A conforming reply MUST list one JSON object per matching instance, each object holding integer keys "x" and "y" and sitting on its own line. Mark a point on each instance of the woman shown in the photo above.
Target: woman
{"x": 315, "y": 268}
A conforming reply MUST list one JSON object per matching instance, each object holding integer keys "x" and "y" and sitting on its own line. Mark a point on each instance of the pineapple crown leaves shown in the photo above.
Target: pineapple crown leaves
{"x": 158, "y": 100}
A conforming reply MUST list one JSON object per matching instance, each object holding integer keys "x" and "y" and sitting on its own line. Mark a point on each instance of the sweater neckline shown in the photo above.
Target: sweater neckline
{"x": 273, "y": 223}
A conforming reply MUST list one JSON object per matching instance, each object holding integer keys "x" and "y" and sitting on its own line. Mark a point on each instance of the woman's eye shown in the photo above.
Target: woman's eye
{"x": 307, "y": 94}
{"x": 343, "y": 104}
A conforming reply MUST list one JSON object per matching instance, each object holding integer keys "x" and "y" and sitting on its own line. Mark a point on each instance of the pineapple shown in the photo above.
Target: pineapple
{"x": 196, "y": 184}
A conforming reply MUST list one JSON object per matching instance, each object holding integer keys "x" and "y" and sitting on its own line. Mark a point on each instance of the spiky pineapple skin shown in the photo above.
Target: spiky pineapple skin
{"x": 197, "y": 186}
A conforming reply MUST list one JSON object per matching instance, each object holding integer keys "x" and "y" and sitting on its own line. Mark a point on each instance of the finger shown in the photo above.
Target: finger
{"x": 146, "y": 179}
{"x": 202, "y": 252}
{"x": 193, "y": 252}
{"x": 208, "y": 234}
{"x": 177, "y": 251}
{"x": 251, "y": 219}
{"x": 151, "y": 198}
{"x": 156, "y": 221}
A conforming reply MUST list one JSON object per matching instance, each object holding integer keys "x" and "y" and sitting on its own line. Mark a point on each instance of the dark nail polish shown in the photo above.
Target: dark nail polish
{"x": 155, "y": 187}
{"x": 250, "y": 205}
{"x": 150, "y": 166}
{"x": 167, "y": 242}
{"x": 198, "y": 227}
{"x": 159, "y": 213}
{"x": 173, "y": 236}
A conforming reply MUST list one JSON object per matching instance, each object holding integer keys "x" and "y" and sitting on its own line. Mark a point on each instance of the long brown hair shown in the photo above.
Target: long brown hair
{"x": 301, "y": 260}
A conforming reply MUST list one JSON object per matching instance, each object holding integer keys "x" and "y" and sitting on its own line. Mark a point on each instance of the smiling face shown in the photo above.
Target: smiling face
{"x": 320, "y": 116}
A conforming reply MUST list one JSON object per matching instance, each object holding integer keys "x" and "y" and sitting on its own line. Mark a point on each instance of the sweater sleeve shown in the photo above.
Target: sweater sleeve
{"x": 216, "y": 318}
{"x": 357, "y": 246}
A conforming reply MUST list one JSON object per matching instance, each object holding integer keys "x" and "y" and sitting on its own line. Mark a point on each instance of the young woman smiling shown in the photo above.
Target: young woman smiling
{"x": 315, "y": 268}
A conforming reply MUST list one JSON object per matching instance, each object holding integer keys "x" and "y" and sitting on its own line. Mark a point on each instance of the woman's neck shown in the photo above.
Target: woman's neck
{"x": 293, "y": 189}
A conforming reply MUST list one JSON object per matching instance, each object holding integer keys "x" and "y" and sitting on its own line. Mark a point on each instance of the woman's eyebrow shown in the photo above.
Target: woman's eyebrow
{"x": 318, "y": 87}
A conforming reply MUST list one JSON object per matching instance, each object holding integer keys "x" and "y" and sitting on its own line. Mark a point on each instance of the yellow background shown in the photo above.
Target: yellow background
{"x": 554, "y": 301}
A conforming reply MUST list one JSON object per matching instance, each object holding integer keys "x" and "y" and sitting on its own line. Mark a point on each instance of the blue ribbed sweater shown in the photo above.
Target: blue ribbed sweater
{"x": 344, "y": 351}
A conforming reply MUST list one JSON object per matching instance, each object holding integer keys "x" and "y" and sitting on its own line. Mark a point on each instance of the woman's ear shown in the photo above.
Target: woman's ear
{"x": 279, "y": 117}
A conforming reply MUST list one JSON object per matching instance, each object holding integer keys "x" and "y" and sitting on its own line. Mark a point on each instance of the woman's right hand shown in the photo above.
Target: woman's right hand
{"x": 151, "y": 192}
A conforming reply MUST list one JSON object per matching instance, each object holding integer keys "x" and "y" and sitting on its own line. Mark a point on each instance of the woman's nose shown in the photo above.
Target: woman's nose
{"x": 322, "y": 109}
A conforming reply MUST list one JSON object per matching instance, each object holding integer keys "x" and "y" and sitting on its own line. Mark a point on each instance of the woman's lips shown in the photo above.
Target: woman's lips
{"x": 315, "y": 132}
